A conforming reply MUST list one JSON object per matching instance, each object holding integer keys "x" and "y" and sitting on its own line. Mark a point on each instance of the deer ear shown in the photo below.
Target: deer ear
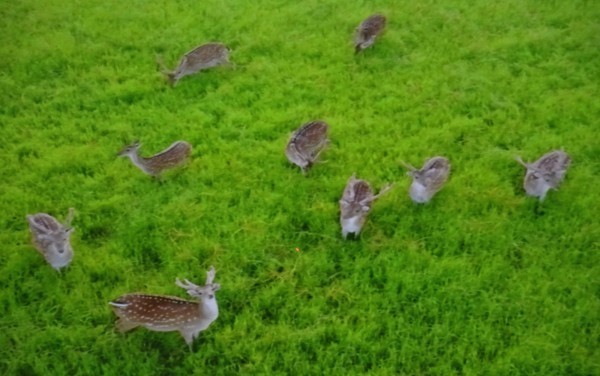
{"x": 216, "y": 287}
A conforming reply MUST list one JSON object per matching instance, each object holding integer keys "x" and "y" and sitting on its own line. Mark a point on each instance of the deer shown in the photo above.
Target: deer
{"x": 52, "y": 239}
{"x": 201, "y": 57}
{"x": 161, "y": 313}
{"x": 368, "y": 31}
{"x": 429, "y": 180}
{"x": 306, "y": 144}
{"x": 546, "y": 173}
{"x": 356, "y": 203}
{"x": 173, "y": 156}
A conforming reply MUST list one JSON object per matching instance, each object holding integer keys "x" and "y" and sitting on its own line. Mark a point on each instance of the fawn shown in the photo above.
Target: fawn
{"x": 161, "y": 313}
{"x": 202, "y": 57}
{"x": 429, "y": 179}
{"x": 546, "y": 173}
{"x": 356, "y": 203}
{"x": 51, "y": 238}
{"x": 174, "y": 155}
{"x": 367, "y": 31}
{"x": 306, "y": 143}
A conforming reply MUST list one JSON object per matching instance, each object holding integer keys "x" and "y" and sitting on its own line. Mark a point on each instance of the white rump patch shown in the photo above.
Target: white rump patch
{"x": 419, "y": 193}
{"x": 351, "y": 225}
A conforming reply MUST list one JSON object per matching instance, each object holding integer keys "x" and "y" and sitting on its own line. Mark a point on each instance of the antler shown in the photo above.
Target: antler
{"x": 520, "y": 160}
{"x": 383, "y": 190}
{"x": 529, "y": 166}
{"x": 408, "y": 166}
{"x": 69, "y": 217}
{"x": 210, "y": 275}
{"x": 161, "y": 64}
{"x": 187, "y": 285}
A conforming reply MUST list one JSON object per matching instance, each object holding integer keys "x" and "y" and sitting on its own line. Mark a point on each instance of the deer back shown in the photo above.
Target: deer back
{"x": 306, "y": 143}
{"x": 553, "y": 166}
{"x": 43, "y": 223}
{"x": 172, "y": 156}
{"x": 202, "y": 57}
{"x": 157, "y": 311}
{"x": 372, "y": 26}
{"x": 435, "y": 173}
{"x": 356, "y": 199}
{"x": 553, "y": 161}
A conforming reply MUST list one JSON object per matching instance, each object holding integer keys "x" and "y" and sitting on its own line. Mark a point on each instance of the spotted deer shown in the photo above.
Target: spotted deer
{"x": 162, "y": 313}
{"x": 546, "y": 173}
{"x": 306, "y": 143}
{"x": 356, "y": 204}
{"x": 52, "y": 238}
{"x": 428, "y": 180}
{"x": 202, "y": 57}
{"x": 173, "y": 156}
{"x": 368, "y": 31}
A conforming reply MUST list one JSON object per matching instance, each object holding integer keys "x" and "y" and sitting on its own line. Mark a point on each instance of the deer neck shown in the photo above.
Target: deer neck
{"x": 138, "y": 161}
{"x": 209, "y": 308}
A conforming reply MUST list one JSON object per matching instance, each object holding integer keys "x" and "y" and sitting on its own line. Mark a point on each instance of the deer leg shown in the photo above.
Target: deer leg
{"x": 188, "y": 337}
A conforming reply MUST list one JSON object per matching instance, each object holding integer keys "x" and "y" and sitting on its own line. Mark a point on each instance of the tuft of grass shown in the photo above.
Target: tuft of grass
{"x": 482, "y": 280}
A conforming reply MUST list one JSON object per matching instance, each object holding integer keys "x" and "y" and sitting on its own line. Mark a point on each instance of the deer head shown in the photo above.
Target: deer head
{"x": 201, "y": 292}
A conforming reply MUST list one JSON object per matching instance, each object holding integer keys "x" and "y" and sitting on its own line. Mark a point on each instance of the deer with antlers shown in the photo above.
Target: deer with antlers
{"x": 428, "y": 180}
{"x": 161, "y": 313}
{"x": 356, "y": 203}
{"x": 546, "y": 173}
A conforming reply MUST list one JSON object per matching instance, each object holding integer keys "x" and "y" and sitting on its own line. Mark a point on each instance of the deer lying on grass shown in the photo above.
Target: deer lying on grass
{"x": 546, "y": 173}
{"x": 51, "y": 238}
{"x": 356, "y": 203}
{"x": 368, "y": 31}
{"x": 429, "y": 179}
{"x": 306, "y": 143}
{"x": 202, "y": 57}
{"x": 168, "y": 313}
{"x": 173, "y": 156}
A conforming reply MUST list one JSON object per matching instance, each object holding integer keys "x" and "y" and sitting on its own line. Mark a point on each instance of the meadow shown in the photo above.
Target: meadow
{"x": 481, "y": 281}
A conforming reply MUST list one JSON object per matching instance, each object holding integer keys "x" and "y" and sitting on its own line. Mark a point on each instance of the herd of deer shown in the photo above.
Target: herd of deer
{"x": 167, "y": 313}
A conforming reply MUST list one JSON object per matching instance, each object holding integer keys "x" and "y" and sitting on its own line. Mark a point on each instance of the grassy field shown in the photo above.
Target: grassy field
{"x": 481, "y": 281}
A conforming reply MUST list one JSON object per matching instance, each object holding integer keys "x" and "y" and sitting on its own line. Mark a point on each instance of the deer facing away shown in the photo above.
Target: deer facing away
{"x": 202, "y": 57}
{"x": 356, "y": 203}
{"x": 306, "y": 143}
{"x": 368, "y": 31}
{"x": 161, "y": 313}
{"x": 51, "y": 238}
{"x": 546, "y": 173}
{"x": 429, "y": 179}
{"x": 173, "y": 156}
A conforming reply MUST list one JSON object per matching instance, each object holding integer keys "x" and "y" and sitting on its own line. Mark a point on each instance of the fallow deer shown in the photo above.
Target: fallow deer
{"x": 162, "y": 313}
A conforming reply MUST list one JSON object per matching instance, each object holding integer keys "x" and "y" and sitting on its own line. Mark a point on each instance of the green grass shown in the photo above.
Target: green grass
{"x": 481, "y": 281}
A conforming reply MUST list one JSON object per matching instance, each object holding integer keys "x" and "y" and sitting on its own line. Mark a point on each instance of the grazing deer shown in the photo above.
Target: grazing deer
{"x": 367, "y": 31}
{"x": 546, "y": 173}
{"x": 51, "y": 238}
{"x": 174, "y": 155}
{"x": 306, "y": 143}
{"x": 161, "y": 313}
{"x": 356, "y": 203}
{"x": 202, "y": 57}
{"x": 429, "y": 179}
